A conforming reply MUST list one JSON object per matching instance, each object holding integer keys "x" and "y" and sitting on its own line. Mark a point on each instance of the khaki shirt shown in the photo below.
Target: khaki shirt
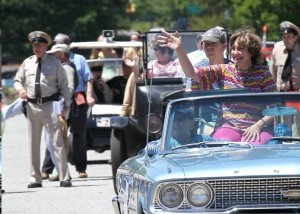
{"x": 279, "y": 55}
{"x": 53, "y": 78}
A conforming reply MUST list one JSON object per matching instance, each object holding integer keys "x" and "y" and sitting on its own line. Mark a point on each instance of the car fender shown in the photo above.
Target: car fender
{"x": 118, "y": 122}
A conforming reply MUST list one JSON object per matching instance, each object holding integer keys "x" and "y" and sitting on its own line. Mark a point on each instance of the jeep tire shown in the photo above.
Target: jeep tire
{"x": 118, "y": 152}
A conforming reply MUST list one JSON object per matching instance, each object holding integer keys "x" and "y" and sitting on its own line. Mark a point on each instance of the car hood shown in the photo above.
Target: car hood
{"x": 207, "y": 163}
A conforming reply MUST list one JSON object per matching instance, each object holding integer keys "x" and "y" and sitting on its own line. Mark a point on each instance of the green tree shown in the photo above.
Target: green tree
{"x": 82, "y": 19}
{"x": 257, "y": 13}
{"x": 85, "y": 19}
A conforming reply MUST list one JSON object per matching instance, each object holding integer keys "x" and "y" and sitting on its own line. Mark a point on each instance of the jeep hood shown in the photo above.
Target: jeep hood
{"x": 258, "y": 161}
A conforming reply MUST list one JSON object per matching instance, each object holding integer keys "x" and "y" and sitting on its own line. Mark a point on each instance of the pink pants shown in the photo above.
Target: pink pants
{"x": 233, "y": 135}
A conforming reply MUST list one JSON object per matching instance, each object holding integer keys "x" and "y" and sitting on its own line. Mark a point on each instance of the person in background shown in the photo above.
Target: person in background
{"x": 214, "y": 45}
{"x": 133, "y": 51}
{"x": 131, "y": 58}
{"x": 245, "y": 72}
{"x": 83, "y": 99}
{"x": 287, "y": 78}
{"x": 118, "y": 84}
{"x": 102, "y": 92}
{"x": 111, "y": 68}
{"x": 103, "y": 52}
{"x": 129, "y": 100}
{"x": 285, "y": 66}
{"x": 61, "y": 52}
{"x": 164, "y": 65}
{"x": 197, "y": 55}
{"x": 39, "y": 80}
{"x": 183, "y": 132}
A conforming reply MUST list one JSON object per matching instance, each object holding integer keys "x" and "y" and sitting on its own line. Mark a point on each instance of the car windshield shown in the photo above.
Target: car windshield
{"x": 112, "y": 67}
{"x": 251, "y": 118}
{"x": 162, "y": 62}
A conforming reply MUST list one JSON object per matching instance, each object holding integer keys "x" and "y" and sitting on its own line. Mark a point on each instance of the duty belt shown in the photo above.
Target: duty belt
{"x": 42, "y": 100}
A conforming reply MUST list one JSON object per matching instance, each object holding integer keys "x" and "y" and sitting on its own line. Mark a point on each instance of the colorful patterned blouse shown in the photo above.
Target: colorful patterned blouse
{"x": 257, "y": 79}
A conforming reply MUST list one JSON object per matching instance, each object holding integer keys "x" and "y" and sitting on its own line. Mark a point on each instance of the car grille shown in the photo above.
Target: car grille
{"x": 254, "y": 192}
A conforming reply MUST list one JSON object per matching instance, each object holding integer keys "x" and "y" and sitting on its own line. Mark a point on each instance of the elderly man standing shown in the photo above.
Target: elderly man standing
{"x": 40, "y": 80}
{"x": 61, "y": 52}
{"x": 83, "y": 99}
{"x": 285, "y": 65}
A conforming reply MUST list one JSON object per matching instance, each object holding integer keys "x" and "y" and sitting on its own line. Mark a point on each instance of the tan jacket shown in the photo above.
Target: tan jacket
{"x": 129, "y": 100}
{"x": 279, "y": 55}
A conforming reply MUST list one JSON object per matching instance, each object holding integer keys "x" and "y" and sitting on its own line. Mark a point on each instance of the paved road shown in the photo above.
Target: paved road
{"x": 87, "y": 196}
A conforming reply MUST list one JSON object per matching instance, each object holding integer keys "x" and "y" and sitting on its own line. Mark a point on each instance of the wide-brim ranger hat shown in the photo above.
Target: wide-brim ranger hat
{"x": 59, "y": 48}
{"x": 214, "y": 35}
{"x": 289, "y": 27}
{"x": 39, "y": 37}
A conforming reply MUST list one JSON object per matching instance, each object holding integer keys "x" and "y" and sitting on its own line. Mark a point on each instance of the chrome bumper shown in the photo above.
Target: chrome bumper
{"x": 116, "y": 205}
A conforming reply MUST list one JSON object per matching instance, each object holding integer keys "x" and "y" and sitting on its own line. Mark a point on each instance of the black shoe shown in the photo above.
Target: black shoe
{"x": 65, "y": 184}
{"x": 34, "y": 185}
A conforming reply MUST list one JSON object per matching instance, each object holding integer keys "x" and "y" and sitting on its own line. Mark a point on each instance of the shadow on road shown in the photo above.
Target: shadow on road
{"x": 91, "y": 162}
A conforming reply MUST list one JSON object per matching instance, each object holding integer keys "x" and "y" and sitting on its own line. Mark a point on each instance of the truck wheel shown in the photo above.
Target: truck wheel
{"x": 118, "y": 152}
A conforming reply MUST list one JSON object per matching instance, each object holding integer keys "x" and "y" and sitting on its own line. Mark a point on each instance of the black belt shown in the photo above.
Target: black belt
{"x": 42, "y": 100}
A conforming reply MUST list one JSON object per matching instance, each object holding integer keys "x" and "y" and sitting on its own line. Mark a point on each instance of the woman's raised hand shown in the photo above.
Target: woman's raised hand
{"x": 131, "y": 62}
{"x": 169, "y": 40}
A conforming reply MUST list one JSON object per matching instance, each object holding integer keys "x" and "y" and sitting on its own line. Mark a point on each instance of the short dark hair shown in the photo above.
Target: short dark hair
{"x": 97, "y": 68}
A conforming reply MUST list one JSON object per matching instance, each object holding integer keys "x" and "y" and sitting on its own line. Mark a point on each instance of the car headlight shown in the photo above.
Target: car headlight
{"x": 171, "y": 195}
{"x": 155, "y": 123}
{"x": 199, "y": 195}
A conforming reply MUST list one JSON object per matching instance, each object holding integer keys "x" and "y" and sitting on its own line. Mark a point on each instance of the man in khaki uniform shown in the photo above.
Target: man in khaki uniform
{"x": 288, "y": 79}
{"x": 51, "y": 83}
{"x": 289, "y": 35}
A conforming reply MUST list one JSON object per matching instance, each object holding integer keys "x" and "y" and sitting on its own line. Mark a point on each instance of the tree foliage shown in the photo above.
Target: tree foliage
{"x": 85, "y": 19}
{"x": 82, "y": 19}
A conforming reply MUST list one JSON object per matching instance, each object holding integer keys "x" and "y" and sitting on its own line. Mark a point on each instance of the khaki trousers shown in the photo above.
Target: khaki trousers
{"x": 39, "y": 116}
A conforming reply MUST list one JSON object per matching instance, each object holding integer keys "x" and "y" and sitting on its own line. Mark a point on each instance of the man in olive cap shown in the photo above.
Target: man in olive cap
{"x": 285, "y": 65}
{"x": 39, "y": 80}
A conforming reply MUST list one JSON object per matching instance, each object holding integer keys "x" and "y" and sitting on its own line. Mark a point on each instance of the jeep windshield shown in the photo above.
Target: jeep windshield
{"x": 232, "y": 120}
{"x": 162, "y": 62}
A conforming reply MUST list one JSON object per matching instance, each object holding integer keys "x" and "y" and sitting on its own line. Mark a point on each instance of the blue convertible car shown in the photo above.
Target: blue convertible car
{"x": 225, "y": 153}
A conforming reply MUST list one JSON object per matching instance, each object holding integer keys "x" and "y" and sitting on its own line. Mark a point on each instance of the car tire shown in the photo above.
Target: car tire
{"x": 118, "y": 152}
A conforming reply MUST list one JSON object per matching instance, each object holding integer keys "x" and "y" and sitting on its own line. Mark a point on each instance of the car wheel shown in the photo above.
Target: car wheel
{"x": 118, "y": 152}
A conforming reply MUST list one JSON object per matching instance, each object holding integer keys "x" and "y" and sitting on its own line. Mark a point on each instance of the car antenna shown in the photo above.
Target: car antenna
{"x": 149, "y": 97}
